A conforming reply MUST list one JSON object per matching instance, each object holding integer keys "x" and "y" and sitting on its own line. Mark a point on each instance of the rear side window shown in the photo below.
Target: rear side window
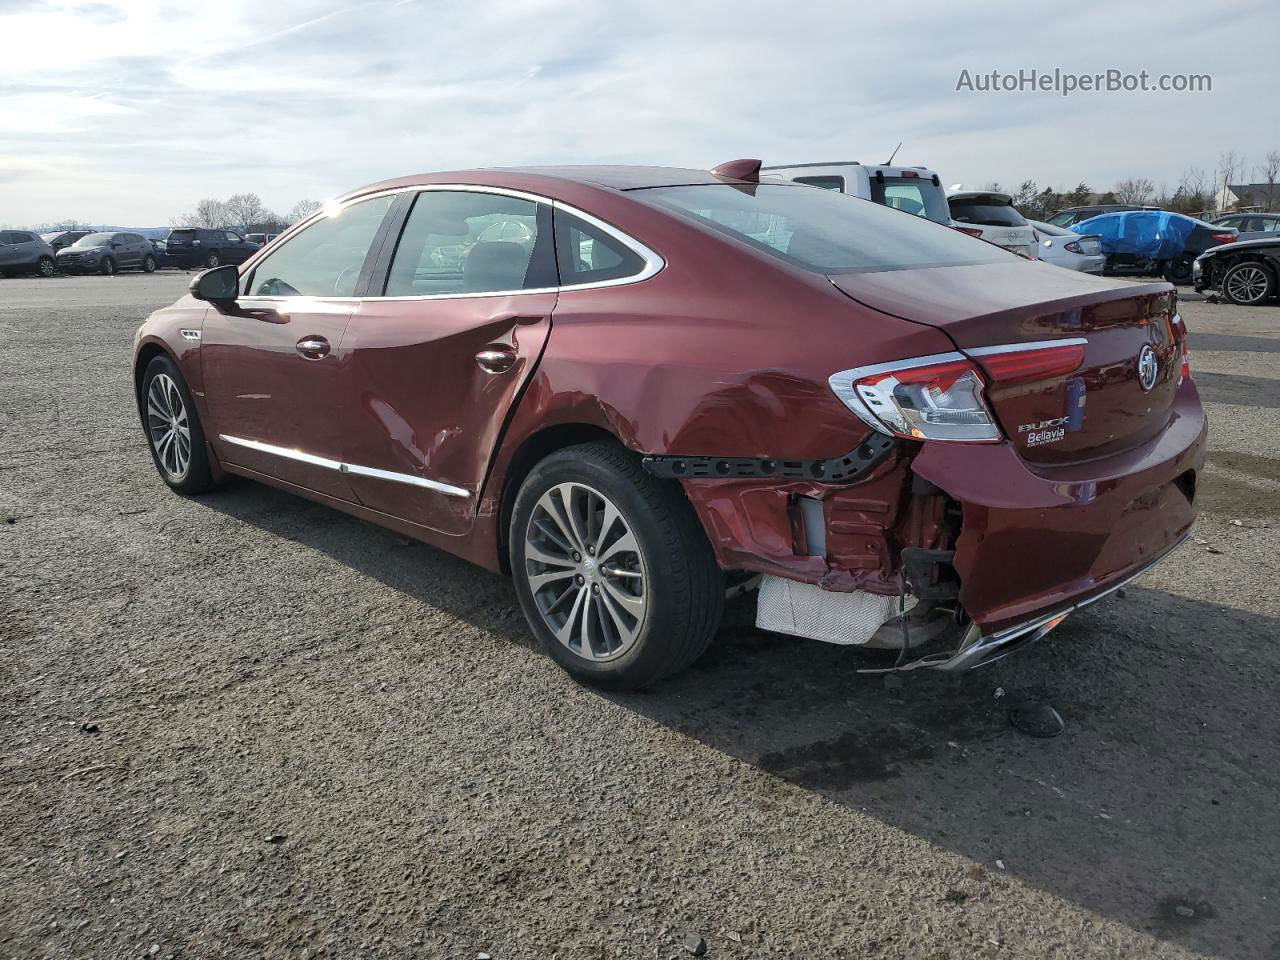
{"x": 325, "y": 259}
{"x": 826, "y": 183}
{"x": 6, "y": 237}
{"x": 913, "y": 195}
{"x": 821, "y": 230}
{"x": 985, "y": 212}
{"x": 587, "y": 254}
{"x": 467, "y": 242}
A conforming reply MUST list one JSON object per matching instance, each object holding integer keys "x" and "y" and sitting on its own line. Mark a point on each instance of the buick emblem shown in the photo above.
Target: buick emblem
{"x": 1148, "y": 367}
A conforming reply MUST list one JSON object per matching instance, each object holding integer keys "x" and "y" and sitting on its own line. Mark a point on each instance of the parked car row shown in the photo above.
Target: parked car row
{"x": 109, "y": 252}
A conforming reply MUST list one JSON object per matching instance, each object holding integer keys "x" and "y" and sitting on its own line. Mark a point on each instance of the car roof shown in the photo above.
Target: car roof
{"x": 614, "y": 177}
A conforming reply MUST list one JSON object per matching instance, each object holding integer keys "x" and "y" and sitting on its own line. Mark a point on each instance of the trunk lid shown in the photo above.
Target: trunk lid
{"x": 1099, "y": 409}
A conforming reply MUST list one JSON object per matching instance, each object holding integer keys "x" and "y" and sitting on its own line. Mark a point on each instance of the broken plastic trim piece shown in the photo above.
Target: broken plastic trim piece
{"x": 864, "y": 457}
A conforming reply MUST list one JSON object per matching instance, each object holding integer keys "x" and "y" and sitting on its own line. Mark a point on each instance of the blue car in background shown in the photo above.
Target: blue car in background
{"x": 1153, "y": 242}
{"x": 163, "y": 259}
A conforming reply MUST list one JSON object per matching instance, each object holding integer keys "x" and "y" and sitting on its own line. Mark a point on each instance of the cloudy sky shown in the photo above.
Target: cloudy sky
{"x": 129, "y": 112}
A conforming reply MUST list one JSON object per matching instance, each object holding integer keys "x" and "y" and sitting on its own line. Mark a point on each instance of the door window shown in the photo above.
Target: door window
{"x": 325, "y": 259}
{"x": 466, "y": 242}
{"x": 586, "y": 254}
{"x": 232, "y": 237}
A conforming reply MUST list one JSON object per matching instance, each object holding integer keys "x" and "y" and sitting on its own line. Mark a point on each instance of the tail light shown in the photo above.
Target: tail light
{"x": 1072, "y": 247}
{"x": 941, "y": 397}
{"x": 929, "y": 398}
{"x": 1020, "y": 362}
{"x": 971, "y": 231}
{"x": 1180, "y": 340}
{"x": 1224, "y": 238}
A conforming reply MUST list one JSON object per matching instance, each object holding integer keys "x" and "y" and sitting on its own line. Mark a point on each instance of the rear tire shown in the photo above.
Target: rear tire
{"x": 174, "y": 435}
{"x": 108, "y": 267}
{"x": 46, "y": 267}
{"x": 1178, "y": 271}
{"x": 212, "y": 260}
{"x": 149, "y": 265}
{"x": 1248, "y": 283}
{"x": 644, "y": 595}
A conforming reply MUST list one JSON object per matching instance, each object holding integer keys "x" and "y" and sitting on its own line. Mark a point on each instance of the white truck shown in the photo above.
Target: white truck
{"x": 914, "y": 190}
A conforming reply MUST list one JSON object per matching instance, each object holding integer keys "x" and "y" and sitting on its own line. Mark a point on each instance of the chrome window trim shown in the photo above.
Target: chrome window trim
{"x": 302, "y": 457}
{"x": 653, "y": 261}
{"x": 1033, "y": 345}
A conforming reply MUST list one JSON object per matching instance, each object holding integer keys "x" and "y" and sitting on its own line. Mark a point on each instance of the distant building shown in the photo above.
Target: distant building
{"x": 1248, "y": 196}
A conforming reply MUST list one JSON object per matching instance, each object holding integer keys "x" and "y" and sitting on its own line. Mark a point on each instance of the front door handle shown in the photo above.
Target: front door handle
{"x": 313, "y": 348}
{"x": 496, "y": 359}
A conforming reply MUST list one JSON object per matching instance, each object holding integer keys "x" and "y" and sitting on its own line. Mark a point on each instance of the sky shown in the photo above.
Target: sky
{"x": 129, "y": 112}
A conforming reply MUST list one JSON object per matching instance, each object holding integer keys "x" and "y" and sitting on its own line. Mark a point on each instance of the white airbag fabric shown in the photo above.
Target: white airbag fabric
{"x": 806, "y": 610}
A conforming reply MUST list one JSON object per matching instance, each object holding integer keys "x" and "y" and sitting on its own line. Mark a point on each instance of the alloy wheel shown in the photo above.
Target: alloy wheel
{"x": 168, "y": 427}
{"x": 585, "y": 572}
{"x": 46, "y": 267}
{"x": 1247, "y": 285}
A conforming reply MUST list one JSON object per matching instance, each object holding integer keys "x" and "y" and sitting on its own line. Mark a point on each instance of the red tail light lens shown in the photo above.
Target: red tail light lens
{"x": 1014, "y": 364}
{"x": 971, "y": 231}
{"x": 928, "y": 398}
{"x": 1224, "y": 238}
{"x": 1180, "y": 338}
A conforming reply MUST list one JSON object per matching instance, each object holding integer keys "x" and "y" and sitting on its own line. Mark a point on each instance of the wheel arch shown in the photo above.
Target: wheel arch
{"x": 532, "y": 450}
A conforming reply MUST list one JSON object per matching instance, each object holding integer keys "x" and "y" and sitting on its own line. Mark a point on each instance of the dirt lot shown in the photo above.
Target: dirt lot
{"x": 306, "y": 736}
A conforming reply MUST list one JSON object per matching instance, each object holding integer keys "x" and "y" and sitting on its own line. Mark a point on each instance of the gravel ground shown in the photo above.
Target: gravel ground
{"x": 249, "y": 726}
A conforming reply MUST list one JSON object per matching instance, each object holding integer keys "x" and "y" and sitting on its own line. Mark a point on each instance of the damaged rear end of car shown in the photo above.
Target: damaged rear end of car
{"x": 1042, "y": 460}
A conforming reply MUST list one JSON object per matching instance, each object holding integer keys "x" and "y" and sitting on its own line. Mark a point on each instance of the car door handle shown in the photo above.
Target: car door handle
{"x": 313, "y": 348}
{"x": 496, "y": 359}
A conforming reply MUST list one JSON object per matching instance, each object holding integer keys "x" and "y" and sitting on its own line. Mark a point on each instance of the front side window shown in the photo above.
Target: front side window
{"x": 467, "y": 242}
{"x": 587, "y": 254}
{"x": 821, "y": 230}
{"x": 325, "y": 259}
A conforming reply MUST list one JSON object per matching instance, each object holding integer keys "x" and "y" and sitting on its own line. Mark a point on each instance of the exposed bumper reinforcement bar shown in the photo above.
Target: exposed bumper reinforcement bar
{"x": 977, "y": 649}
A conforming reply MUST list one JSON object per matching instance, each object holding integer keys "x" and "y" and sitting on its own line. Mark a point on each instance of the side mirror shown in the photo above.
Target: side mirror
{"x": 219, "y": 286}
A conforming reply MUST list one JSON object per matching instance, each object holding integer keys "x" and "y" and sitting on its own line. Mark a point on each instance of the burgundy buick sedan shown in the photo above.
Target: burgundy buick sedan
{"x": 639, "y": 389}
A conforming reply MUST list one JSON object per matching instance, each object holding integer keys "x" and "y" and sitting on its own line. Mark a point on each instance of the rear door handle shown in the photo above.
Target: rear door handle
{"x": 313, "y": 348}
{"x": 496, "y": 359}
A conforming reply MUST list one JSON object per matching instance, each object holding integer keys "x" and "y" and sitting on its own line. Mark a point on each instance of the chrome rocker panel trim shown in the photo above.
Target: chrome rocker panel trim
{"x": 302, "y": 457}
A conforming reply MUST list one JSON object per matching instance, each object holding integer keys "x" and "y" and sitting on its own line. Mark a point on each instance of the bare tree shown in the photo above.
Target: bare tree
{"x": 303, "y": 209}
{"x": 1269, "y": 171}
{"x": 1134, "y": 190}
{"x": 1230, "y": 164}
{"x": 244, "y": 210}
{"x": 210, "y": 213}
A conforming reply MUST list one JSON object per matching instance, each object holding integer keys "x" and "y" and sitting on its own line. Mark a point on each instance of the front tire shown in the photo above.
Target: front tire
{"x": 612, "y": 568}
{"x": 149, "y": 265}
{"x": 108, "y": 267}
{"x": 212, "y": 260}
{"x": 46, "y": 267}
{"x": 1248, "y": 283}
{"x": 174, "y": 434}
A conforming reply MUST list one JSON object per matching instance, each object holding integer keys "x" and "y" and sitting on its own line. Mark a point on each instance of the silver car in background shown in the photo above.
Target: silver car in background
{"x": 1063, "y": 248}
{"x": 21, "y": 251}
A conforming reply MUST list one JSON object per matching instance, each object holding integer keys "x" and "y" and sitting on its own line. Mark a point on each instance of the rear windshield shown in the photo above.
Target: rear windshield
{"x": 821, "y": 230}
{"x": 923, "y": 198}
{"x": 985, "y": 212}
{"x": 94, "y": 240}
